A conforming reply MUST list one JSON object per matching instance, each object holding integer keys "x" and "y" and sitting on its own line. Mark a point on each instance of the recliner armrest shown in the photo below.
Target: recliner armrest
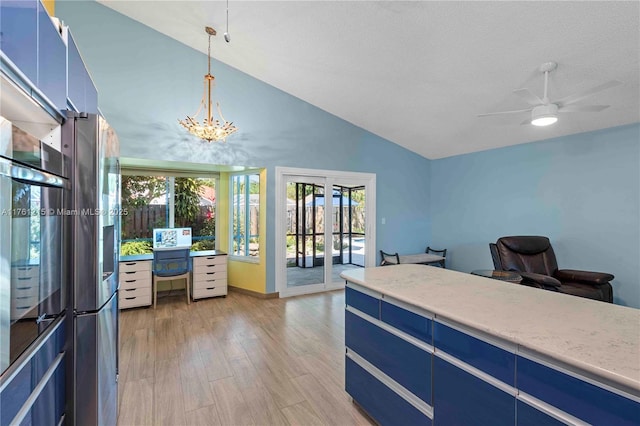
{"x": 542, "y": 280}
{"x": 587, "y": 277}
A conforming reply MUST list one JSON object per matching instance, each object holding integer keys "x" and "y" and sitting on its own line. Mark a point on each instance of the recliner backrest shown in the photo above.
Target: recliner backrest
{"x": 526, "y": 254}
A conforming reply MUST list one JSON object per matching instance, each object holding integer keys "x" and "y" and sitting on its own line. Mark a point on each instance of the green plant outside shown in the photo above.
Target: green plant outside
{"x": 135, "y": 247}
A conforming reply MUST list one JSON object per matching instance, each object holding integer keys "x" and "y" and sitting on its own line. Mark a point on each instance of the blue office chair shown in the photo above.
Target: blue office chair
{"x": 170, "y": 265}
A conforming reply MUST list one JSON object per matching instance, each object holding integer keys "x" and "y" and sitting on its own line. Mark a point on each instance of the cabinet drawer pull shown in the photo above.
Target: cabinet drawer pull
{"x": 130, "y": 281}
{"x": 211, "y": 257}
{"x": 210, "y": 273}
{"x": 129, "y": 298}
{"x": 130, "y": 263}
{"x": 210, "y": 288}
{"x": 132, "y": 272}
{"x": 23, "y": 288}
{"x": 24, "y": 278}
{"x": 130, "y": 289}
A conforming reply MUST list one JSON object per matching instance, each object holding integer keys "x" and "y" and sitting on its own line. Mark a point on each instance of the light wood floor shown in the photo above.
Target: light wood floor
{"x": 237, "y": 360}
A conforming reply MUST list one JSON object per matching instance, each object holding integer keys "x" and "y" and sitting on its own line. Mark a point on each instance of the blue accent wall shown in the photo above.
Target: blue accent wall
{"x": 582, "y": 191}
{"x": 146, "y": 81}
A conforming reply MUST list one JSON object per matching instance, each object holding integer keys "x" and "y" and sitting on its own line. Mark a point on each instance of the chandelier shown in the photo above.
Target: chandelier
{"x": 210, "y": 129}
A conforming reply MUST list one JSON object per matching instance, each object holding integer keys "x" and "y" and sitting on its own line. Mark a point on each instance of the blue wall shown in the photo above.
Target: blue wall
{"x": 146, "y": 81}
{"x": 582, "y": 191}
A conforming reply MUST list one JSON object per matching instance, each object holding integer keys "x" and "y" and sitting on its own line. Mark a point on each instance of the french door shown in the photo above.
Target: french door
{"x": 325, "y": 224}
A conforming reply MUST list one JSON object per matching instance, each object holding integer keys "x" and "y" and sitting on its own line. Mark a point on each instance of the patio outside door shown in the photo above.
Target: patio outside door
{"x": 323, "y": 228}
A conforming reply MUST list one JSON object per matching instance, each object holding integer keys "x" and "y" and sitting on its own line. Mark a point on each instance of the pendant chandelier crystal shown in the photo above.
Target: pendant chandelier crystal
{"x": 210, "y": 129}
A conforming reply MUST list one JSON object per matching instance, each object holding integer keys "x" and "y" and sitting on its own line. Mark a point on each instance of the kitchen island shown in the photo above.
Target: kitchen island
{"x": 427, "y": 345}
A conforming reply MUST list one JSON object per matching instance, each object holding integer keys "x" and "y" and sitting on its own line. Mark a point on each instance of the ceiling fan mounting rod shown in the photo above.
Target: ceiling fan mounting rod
{"x": 546, "y": 68}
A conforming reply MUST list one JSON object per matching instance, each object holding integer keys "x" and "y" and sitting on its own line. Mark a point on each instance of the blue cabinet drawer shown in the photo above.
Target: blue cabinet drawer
{"x": 49, "y": 406}
{"x": 411, "y": 323}
{"x": 16, "y": 392}
{"x": 526, "y": 415}
{"x": 572, "y": 395}
{"x": 380, "y": 402}
{"x": 363, "y": 302}
{"x": 405, "y": 363}
{"x": 484, "y": 356}
{"x": 459, "y": 398}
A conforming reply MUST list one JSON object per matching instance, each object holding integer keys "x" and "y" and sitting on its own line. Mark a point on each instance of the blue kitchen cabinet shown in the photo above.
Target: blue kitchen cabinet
{"x": 388, "y": 364}
{"x": 406, "y": 364}
{"x": 19, "y": 35}
{"x": 494, "y": 361}
{"x": 408, "y": 322}
{"x": 531, "y": 416}
{"x": 36, "y": 391}
{"x": 52, "y": 64}
{"x": 81, "y": 91}
{"x": 363, "y": 302}
{"x": 460, "y": 398}
{"x": 576, "y": 396}
{"x": 378, "y": 400}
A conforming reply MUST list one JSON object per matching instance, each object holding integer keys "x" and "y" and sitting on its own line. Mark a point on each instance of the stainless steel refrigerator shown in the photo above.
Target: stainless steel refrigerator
{"x": 92, "y": 148}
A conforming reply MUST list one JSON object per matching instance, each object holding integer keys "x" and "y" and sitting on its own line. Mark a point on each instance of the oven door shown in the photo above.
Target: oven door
{"x": 32, "y": 290}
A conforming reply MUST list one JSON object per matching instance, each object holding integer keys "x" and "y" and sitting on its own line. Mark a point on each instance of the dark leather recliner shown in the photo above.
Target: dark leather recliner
{"x": 533, "y": 258}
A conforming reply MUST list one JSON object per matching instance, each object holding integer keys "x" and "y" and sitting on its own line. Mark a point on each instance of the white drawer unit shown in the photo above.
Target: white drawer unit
{"x": 209, "y": 276}
{"x": 135, "y": 284}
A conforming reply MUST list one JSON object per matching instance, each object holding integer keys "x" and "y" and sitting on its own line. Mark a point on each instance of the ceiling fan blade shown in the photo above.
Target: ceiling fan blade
{"x": 576, "y": 97}
{"x": 517, "y": 111}
{"x": 529, "y": 96}
{"x": 583, "y": 108}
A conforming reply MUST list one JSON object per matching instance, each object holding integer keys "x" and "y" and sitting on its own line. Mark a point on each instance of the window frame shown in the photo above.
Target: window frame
{"x": 170, "y": 175}
{"x": 247, "y": 215}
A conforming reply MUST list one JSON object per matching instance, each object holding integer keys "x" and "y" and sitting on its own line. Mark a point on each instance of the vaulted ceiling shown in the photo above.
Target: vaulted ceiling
{"x": 418, "y": 73}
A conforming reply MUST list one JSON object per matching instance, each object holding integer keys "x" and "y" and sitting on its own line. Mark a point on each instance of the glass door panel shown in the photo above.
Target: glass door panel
{"x": 305, "y": 232}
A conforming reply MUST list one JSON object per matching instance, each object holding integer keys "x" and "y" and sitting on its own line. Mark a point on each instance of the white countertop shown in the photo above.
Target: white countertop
{"x": 597, "y": 337}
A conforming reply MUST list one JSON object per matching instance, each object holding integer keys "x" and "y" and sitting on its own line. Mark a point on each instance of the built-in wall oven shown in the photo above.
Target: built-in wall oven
{"x": 33, "y": 265}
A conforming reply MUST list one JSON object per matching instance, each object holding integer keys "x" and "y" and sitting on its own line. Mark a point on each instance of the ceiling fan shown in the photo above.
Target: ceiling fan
{"x": 544, "y": 112}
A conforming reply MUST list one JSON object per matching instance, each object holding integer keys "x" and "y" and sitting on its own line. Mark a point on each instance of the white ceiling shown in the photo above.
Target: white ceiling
{"x": 417, "y": 73}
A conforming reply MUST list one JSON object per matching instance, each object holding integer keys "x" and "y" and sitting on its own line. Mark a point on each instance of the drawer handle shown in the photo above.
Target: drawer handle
{"x": 24, "y": 297}
{"x": 25, "y": 278}
{"x": 130, "y": 263}
{"x": 23, "y": 307}
{"x": 210, "y": 288}
{"x": 130, "y": 281}
{"x": 133, "y": 272}
{"x": 23, "y": 288}
{"x": 130, "y": 289}
{"x": 23, "y": 268}
{"x": 210, "y": 273}
{"x": 129, "y": 298}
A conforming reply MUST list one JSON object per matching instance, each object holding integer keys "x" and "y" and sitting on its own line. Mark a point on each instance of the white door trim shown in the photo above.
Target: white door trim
{"x": 368, "y": 180}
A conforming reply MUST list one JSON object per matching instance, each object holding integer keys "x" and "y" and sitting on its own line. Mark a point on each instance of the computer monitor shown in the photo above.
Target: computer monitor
{"x": 171, "y": 238}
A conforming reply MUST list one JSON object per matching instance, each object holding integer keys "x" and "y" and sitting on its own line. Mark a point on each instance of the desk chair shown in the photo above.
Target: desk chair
{"x": 170, "y": 265}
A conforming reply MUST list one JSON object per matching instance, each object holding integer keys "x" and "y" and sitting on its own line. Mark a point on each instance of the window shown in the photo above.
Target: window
{"x": 166, "y": 202}
{"x": 245, "y": 211}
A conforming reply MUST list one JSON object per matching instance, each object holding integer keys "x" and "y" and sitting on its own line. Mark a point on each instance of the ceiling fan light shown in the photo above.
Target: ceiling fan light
{"x": 544, "y": 115}
{"x": 544, "y": 121}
